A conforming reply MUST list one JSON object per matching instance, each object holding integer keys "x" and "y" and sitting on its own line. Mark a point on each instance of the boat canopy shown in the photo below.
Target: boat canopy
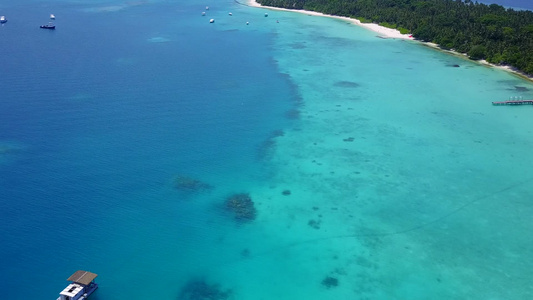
{"x": 82, "y": 277}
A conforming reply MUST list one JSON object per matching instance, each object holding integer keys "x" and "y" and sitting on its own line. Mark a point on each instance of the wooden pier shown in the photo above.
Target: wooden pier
{"x": 513, "y": 102}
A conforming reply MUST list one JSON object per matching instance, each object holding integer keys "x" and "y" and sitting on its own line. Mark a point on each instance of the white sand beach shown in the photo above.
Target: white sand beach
{"x": 482, "y": 61}
{"x": 390, "y": 33}
{"x": 384, "y": 32}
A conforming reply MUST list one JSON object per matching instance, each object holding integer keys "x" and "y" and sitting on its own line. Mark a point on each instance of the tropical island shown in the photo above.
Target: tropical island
{"x": 484, "y": 32}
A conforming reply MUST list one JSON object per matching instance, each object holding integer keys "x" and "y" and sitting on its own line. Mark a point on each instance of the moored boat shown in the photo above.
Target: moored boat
{"x": 52, "y": 17}
{"x": 81, "y": 287}
{"x": 48, "y": 26}
{"x": 3, "y": 19}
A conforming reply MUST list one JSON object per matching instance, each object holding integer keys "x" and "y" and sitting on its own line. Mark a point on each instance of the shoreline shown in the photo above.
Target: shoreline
{"x": 384, "y": 32}
{"x": 390, "y": 33}
{"x": 482, "y": 62}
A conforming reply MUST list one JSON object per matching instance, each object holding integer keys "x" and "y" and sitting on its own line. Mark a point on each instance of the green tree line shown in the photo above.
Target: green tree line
{"x": 499, "y": 35}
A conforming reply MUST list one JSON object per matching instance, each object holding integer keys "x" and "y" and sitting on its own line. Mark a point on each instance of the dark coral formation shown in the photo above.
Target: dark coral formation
{"x": 347, "y": 84}
{"x": 266, "y": 148}
{"x": 293, "y": 114}
{"x": 313, "y": 223}
{"x": 245, "y": 253}
{"x": 189, "y": 184}
{"x": 199, "y": 289}
{"x": 242, "y": 206}
{"x": 350, "y": 139}
{"x": 286, "y": 192}
{"x": 330, "y": 282}
{"x": 298, "y": 45}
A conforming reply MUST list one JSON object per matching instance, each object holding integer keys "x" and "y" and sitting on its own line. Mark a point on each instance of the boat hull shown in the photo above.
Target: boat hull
{"x": 88, "y": 290}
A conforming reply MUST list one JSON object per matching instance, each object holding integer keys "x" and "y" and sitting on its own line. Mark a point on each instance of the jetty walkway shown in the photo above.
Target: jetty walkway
{"x": 513, "y": 102}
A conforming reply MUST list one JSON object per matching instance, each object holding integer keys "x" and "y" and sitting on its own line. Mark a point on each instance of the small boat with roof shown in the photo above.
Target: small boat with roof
{"x": 52, "y": 17}
{"x": 3, "y": 19}
{"x": 48, "y": 26}
{"x": 81, "y": 287}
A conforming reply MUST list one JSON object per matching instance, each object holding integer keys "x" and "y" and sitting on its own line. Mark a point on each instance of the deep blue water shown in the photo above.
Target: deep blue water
{"x": 98, "y": 117}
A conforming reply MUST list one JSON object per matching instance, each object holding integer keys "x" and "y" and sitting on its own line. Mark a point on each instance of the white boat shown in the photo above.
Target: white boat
{"x": 266, "y": 15}
{"x": 212, "y": 21}
{"x": 52, "y": 16}
{"x": 3, "y": 19}
{"x": 230, "y": 14}
{"x": 207, "y": 8}
{"x": 81, "y": 287}
{"x": 203, "y": 13}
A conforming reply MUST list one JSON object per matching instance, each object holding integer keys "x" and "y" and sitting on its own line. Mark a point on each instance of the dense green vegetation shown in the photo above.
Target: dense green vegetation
{"x": 491, "y": 32}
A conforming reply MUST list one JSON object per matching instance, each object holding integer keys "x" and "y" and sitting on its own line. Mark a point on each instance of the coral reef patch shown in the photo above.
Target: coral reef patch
{"x": 330, "y": 282}
{"x": 298, "y": 45}
{"x": 314, "y": 224}
{"x": 293, "y": 114}
{"x": 347, "y": 84}
{"x": 188, "y": 184}
{"x": 521, "y": 88}
{"x": 266, "y": 148}
{"x": 242, "y": 207}
{"x": 199, "y": 289}
{"x": 245, "y": 253}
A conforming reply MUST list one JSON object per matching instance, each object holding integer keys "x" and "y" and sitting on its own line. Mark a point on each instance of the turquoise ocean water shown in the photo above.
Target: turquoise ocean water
{"x": 405, "y": 182}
